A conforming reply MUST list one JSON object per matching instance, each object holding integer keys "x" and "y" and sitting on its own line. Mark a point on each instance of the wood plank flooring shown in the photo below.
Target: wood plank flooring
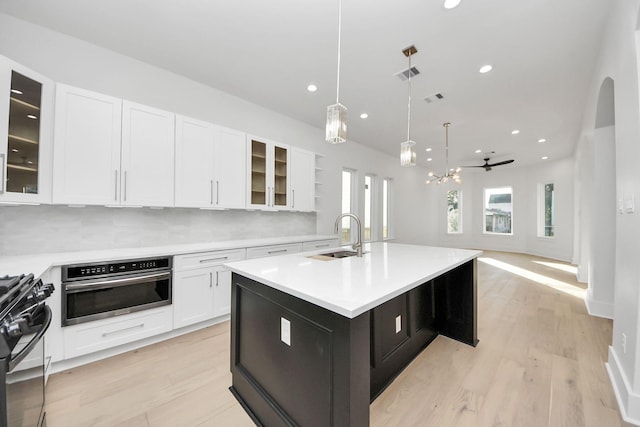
{"x": 540, "y": 362}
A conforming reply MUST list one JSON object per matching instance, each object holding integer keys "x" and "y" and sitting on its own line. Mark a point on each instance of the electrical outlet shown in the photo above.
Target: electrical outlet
{"x": 624, "y": 343}
{"x": 285, "y": 331}
{"x": 398, "y": 324}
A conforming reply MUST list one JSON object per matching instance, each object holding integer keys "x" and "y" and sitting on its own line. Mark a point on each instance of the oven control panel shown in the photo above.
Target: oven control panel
{"x": 83, "y": 271}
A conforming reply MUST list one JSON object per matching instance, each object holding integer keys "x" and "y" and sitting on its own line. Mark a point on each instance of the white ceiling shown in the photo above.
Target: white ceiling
{"x": 542, "y": 51}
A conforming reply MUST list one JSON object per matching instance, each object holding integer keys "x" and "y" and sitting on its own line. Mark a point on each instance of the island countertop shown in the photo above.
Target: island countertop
{"x": 351, "y": 286}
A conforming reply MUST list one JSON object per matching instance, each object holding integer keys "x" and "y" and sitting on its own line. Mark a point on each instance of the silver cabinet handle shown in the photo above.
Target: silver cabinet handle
{"x": 2, "y": 171}
{"x": 217, "y": 192}
{"x": 115, "y": 194}
{"x": 125, "y": 186}
{"x": 293, "y": 198}
{"x": 211, "y": 187}
{"x": 323, "y": 246}
{"x": 279, "y": 251}
{"x": 222, "y": 258}
{"x": 217, "y": 280}
{"x": 268, "y": 196}
{"x": 106, "y": 334}
{"x": 210, "y": 279}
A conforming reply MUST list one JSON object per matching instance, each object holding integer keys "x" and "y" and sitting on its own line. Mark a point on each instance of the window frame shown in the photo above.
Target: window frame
{"x": 353, "y": 200}
{"x": 484, "y": 211}
{"x": 460, "y": 205}
{"x": 541, "y": 215}
{"x": 387, "y": 194}
{"x": 372, "y": 211}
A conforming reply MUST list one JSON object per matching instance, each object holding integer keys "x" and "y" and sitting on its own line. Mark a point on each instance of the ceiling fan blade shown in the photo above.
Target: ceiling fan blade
{"x": 506, "y": 162}
{"x": 475, "y": 166}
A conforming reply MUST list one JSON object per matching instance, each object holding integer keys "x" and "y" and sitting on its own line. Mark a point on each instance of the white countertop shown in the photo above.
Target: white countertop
{"x": 351, "y": 286}
{"x": 39, "y": 263}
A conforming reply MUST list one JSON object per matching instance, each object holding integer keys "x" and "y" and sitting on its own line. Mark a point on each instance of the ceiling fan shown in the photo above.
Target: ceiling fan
{"x": 488, "y": 166}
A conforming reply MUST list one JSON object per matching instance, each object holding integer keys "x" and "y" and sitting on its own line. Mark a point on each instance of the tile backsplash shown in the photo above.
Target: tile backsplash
{"x": 45, "y": 228}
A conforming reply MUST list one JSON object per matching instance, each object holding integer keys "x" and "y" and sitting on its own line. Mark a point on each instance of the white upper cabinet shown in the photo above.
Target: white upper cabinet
{"x": 147, "y": 156}
{"x": 195, "y": 184}
{"x": 87, "y": 147}
{"x": 230, "y": 168}
{"x": 268, "y": 175}
{"x": 302, "y": 180}
{"x": 210, "y": 165}
{"x": 26, "y": 114}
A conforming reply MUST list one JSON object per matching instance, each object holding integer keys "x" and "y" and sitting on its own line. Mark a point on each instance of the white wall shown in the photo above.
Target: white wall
{"x": 618, "y": 60}
{"x": 75, "y": 62}
{"x": 524, "y": 182}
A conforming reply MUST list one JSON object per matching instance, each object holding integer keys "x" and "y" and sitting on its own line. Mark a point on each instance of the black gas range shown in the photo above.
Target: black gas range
{"x": 24, "y": 319}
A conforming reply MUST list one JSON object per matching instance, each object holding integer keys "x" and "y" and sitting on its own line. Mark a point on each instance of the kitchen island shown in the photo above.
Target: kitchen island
{"x": 314, "y": 338}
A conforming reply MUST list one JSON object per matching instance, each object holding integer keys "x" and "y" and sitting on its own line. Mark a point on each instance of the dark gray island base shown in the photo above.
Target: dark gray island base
{"x": 333, "y": 366}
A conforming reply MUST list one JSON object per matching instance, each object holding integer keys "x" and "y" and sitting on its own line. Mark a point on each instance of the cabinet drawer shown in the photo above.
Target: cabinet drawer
{"x": 207, "y": 259}
{"x": 102, "y": 334}
{"x": 320, "y": 244}
{"x": 265, "y": 251}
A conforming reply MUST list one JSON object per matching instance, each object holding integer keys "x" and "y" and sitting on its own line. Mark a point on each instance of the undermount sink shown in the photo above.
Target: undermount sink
{"x": 340, "y": 254}
{"x": 334, "y": 255}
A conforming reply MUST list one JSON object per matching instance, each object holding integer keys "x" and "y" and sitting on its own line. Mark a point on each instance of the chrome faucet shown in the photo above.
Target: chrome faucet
{"x": 358, "y": 244}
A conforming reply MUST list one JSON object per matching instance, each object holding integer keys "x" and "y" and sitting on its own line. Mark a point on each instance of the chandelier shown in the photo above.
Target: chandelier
{"x": 449, "y": 174}
{"x": 408, "y": 148}
{"x": 336, "y": 127}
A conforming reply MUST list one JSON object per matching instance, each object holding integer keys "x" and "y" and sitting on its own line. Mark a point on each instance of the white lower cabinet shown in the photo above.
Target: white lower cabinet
{"x": 320, "y": 244}
{"x": 273, "y": 250}
{"x": 202, "y": 286}
{"x": 89, "y": 337}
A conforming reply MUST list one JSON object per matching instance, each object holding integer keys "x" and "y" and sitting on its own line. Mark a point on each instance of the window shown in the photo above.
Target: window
{"x": 546, "y": 200}
{"x": 498, "y": 209}
{"x": 348, "y": 202}
{"x": 368, "y": 207}
{"x": 454, "y": 211}
{"x": 386, "y": 205}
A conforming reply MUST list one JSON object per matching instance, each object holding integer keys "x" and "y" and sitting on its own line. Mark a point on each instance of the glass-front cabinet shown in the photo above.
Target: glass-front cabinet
{"x": 268, "y": 174}
{"x": 25, "y": 131}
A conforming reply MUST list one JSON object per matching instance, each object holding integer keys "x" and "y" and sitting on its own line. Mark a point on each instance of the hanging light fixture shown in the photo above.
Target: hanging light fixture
{"x": 449, "y": 174}
{"x": 336, "y": 128}
{"x": 408, "y": 148}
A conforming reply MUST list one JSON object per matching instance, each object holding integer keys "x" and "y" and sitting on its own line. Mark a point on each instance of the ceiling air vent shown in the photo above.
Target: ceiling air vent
{"x": 433, "y": 98}
{"x": 404, "y": 74}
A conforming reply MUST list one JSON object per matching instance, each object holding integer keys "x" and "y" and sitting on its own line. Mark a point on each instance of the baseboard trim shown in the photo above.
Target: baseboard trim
{"x": 598, "y": 308}
{"x": 628, "y": 401}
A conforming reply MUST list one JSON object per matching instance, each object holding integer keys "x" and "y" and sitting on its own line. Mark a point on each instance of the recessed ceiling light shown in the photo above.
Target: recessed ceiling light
{"x": 31, "y": 116}
{"x": 428, "y": 149}
{"x": 30, "y": 162}
{"x": 515, "y": 132}
{"x": 544, "y": 158}
{"x": 364, "y": 115}
{"x": 478, "y": 151}
{"x": 16, "y": 91}
{"x": 485, "y": 68}
{"x": 450, "y": 4}
{"x": 312, "y": 88}
{"x": 15, "y": 150}
{"x": 541, "y": 140}
{"x": 429, "y": 159}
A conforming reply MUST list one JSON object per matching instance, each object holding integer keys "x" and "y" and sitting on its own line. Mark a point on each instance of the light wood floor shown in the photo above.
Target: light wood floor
{"x": 540, "y": 362}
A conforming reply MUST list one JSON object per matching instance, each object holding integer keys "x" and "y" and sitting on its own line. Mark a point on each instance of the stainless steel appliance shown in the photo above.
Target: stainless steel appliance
{"x": 24, "y": 319}
{"x": 100, "y": 290}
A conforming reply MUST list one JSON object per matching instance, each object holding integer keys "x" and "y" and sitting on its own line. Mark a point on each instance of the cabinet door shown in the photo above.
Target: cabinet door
{"x": 86, "y": 154}
{"x": 230, "y": 169}
{"x": 192, "y": 296}
{"x": 280, "y": 179}
{"x": 26, "y": 113}
{"x": 222, "y": 292}
{"x": 195, "y": 185}
{"x": 147, "y": 156}
{"x": 302, "y": 180}
{"x": 258, "y": 172}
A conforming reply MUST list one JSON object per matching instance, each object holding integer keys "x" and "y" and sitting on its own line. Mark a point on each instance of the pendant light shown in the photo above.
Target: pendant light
{"x": 336, "y": 127}
{"x": 408, "y": 148}
{"x": 449, "y": 174}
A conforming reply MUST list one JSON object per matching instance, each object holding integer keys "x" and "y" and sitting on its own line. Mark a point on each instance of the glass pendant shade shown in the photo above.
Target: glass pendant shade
{"x": 408, "y": 153}
{"x": 336, "y": 129}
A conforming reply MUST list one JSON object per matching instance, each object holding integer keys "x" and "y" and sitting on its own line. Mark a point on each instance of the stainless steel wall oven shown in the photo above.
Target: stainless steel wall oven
{"x": 100, "y": 290}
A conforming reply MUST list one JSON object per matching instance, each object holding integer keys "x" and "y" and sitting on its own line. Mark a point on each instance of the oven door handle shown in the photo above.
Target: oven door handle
{"x": 34, "y": 341}
{"x": 81, "y": 287}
